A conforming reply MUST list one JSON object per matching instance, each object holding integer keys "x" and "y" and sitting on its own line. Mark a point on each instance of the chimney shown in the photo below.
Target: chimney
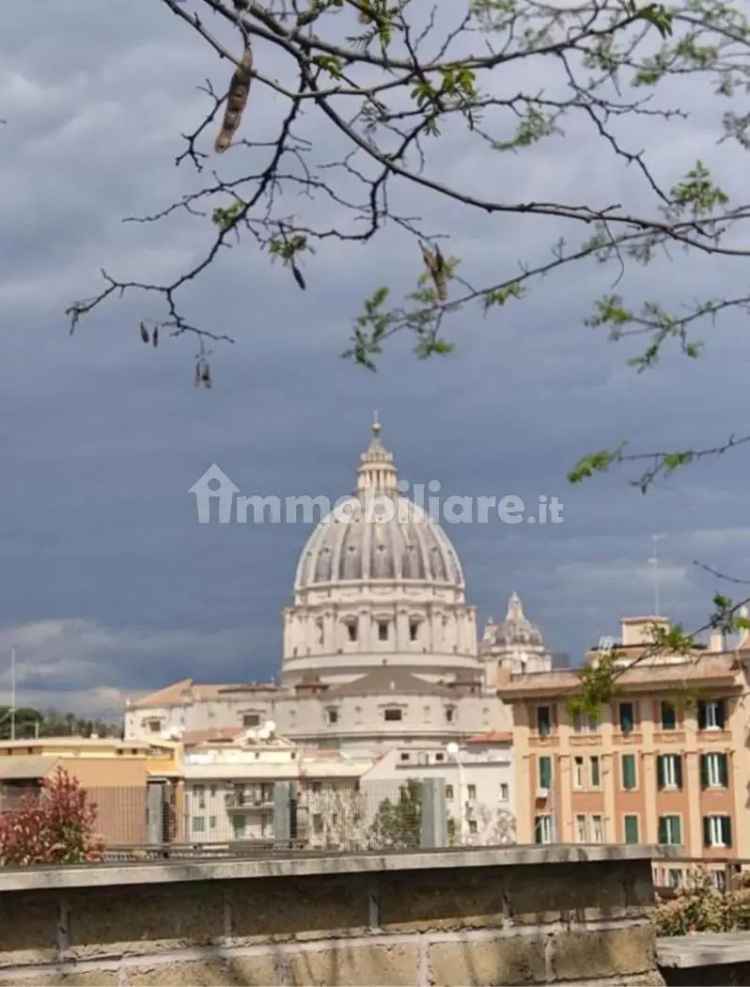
{"x": 716, "y": 642}
{"x": 639, "y": 630}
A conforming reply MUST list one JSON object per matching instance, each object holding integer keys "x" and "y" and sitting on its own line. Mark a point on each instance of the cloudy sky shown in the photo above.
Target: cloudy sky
{"x": 110, "y": 587}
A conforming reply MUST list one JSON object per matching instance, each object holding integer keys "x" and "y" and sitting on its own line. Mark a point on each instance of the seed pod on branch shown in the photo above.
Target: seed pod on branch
{"x": 437, "y": 268}
{"x": 155, "y": 337}
{"x": 239, "y": 88}
{"x": 144, "y": 332}
{"x": 202, "y": 372}
{"x": 298, "y": 277}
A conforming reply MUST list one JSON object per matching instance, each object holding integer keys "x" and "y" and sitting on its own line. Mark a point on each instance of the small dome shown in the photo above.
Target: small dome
{"x": 515, "y": 631}
{"x": 378, "y": 534}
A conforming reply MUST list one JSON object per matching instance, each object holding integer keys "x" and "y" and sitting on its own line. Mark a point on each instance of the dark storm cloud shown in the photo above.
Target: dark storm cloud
{"x": 110, "y": 586}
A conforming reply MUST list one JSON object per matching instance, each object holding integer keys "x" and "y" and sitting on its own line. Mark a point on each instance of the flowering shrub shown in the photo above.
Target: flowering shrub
{"x": 700, "y": 907}
{"x": 54, "y": 827}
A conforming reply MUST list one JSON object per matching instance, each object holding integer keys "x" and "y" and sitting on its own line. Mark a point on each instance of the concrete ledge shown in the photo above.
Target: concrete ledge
{"x": 703, "y": 949}
{"x": 304, "y": 865}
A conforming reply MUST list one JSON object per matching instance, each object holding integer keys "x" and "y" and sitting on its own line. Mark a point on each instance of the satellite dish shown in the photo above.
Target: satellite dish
{"x": 452, "y": 748}
{"x": 270, "y": 726}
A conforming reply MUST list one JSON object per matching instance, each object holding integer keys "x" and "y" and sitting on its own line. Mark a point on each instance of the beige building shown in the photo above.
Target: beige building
{"x": 229, "y": 790}
{"x": 665, "y": 762}
{"x": 124, "y": 779}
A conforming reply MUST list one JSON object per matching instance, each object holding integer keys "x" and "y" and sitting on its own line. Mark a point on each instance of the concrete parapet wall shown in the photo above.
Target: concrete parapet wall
{"x": 506, "y": 916}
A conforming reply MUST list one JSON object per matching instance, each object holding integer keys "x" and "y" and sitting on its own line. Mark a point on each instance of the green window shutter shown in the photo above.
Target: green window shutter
{"x": 660, "y": 771}
{"x": 701, "y": 714}
{"x": 706, "y": 831}
{"x": 704, "y": 771}
{"x": 628, "y": 771}
{"x": 723, "y": 770}
{"x": 721, "y": 712}
{"x": 631, "y": 829}
{"x": 726, "y": 828}
{"x": 545, "y": 772}
{"x": 678, "y": 770}
{"x": 677, "y": 830}
{"x": 662, "y": 830}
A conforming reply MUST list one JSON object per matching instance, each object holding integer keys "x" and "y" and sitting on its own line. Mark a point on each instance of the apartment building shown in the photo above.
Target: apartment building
{"x": 665, "y": 762}
{"x": 229, "y": 789}
{"x": 478, "y": 780}
{"x": 135, "y": 785}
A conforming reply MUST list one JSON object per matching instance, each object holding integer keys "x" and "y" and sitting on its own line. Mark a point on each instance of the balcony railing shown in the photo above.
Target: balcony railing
{"x": 245, "y": 803}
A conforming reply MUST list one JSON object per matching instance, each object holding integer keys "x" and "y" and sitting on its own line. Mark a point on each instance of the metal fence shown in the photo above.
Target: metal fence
{"x": 159, "y": 821}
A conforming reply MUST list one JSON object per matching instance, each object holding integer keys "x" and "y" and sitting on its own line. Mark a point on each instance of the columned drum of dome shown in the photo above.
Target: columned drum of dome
{"x": 378, "y": 583}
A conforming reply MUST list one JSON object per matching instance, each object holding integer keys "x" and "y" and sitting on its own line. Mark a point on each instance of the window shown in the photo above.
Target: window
{"x": 504, "y": 792}
{"x": 238, "y": 822}
{"x": 154, "y": 726}
{"x": 597, "y": 829}
{"x": 543, "y": 721}
{"x": 199, "y": 824}
{"x": 317, "y": 821}
{"x": 382, "y": 630}
{"x": 333, "y": 716}
{"x": 594, "y": 763}
{"x": 392, "y": 715}
{"x": 670, "y": 831}
{"x": 668, "y": 716}
{"x": 543, "y": 829}
{"x": 545, "y": 772}
{"x": 212, "y": 822}
{"x": 627, "y": 717}
{"x": 440, "y": 757}
{"x": 669, "y": 771}
{"x": 582, "y": 830}
{"x": 450, "y": 712}
{"x": 199, "y": 792}
{"x": 449, "y": 791}
{"x": 628, "y": 772}
{"x": 471, "y": 791}
{"x": 714, "y": 771}
{"x": 251, "y": 720}
{"x": 578, "y": 772}
{"x": 413, "y": 630}
{"x": 711, "y": 714}
{"x": 631, "y": 829}
{"x": 717, "y": 831}
{"x": 317, "y": 786}
{"x": 472, "y": 826}
{"x": 405, "y": 757}
{"x": 352, "y": 630}
{"x": 212, "y": 791}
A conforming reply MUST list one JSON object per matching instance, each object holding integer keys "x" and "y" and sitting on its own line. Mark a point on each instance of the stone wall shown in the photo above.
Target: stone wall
{"x": 507, "y": 916}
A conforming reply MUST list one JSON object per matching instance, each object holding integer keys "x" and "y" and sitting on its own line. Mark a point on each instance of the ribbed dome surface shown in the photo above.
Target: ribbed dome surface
{"x": 380, "y": 537}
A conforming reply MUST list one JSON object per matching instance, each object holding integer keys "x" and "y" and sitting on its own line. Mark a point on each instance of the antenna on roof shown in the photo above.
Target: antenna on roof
{"x": 12, "y": 693}
{"x": 654, "y": 563}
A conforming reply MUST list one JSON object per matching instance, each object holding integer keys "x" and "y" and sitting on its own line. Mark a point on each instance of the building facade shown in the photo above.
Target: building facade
{"x": 478, "y": 784}
{"x": 665, "y": 762}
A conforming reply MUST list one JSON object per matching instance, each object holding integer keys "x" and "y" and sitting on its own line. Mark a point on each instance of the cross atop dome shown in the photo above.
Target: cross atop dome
{"x": 377, "y": 472}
